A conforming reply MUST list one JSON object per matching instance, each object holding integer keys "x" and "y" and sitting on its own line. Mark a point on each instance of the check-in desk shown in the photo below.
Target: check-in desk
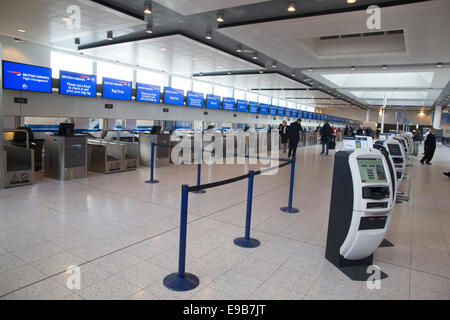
{"x": 131, "y": 155}
{"x": 18, "y": 166}
{"x": 105, "y": 156}
{"x": 66, "y": 157}
{"x": 162, "y": 153}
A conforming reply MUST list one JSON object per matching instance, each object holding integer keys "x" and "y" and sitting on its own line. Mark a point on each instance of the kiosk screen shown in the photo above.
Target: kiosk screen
{"x": 394, "y": 149}
{"x": 371, "y": 170}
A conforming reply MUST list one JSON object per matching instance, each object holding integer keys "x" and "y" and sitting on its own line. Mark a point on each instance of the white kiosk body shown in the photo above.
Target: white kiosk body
{"x": 397, "y": 155}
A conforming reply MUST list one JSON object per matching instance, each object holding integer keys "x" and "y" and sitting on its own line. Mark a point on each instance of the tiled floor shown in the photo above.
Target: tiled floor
{"x": 124, "y": 233}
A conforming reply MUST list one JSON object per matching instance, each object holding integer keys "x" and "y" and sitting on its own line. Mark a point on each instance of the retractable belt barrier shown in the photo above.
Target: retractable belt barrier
{"x": 183, "y": 281}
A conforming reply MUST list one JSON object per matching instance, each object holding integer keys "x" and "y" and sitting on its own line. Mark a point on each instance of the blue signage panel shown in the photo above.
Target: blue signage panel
{"x": 287, "y": 112}
{"x": 314, "y": 116}
{"x": 253, "y": 107}
{"x": 77, "y": 84}
{"x": 26, "y": 77}
{"x": 309, "y": 115}
{"x": 242, "y": 106}
{"x": 148, "y": 93}
{"x": 263, "y": 108}
{"x": 173, "y": 96}
{"x": 195, "y": 99}
{"x": 294, "y": 113}
{"x": 281, "y": 111}
{"x": 228, "y": 104}
{"x": 212, "y": 101}
{"x": 116, "y": 89}
{"x": 273, "y": 110}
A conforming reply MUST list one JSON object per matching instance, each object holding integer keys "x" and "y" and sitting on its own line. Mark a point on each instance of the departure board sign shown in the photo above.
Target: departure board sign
{"x": 263, "y": 108}
{"x": 18, "y": 76}
{"x": 116, "y": 89}
{"x": 148, "y": 93}
{"x": 287, "y": 112}
{"x": 253, "y": 107}
{"x": 281, "y": 111}
{"x": 195, "y": 99}
{"x": 173, "y": 96}
{"x": 242, "y": 106}
{"x": 294, "y": 113}
{"x": 273, "y": 110}
{"x": 77, "y": 84}
{"x": 372, "y": 170}
{"x": 309, "y": 115}
{"x": 228, "y": 104}
{"x": 212, "y": 101}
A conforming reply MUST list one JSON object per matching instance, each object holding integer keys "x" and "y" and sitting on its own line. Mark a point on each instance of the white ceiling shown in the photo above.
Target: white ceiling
{"x": 182, "y": 55}
{"x": 425, "y": 24}
{"x": 189, "y": 7}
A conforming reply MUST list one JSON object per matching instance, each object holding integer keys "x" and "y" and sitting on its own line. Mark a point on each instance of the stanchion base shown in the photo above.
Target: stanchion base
{"x": 289, "y": 210}
{"x": 199, "y": 191}
{"x": 152, "y": 181}
{"x": 174, "y": 282}
{"x": 244, "y": 243}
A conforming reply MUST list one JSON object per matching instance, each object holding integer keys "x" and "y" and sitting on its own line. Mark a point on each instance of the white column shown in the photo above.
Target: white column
{"x": 382, "y": 113}
{"x": 368, "y": 115}
{"x": 437, "y": 117}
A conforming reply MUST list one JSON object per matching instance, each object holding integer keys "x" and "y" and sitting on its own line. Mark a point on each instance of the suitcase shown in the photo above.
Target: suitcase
{"x": 331, "y": 145}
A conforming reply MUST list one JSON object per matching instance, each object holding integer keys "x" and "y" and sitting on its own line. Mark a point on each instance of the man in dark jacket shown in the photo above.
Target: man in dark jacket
{"x": 294, "y": 136}
{"x": 325, "y": 134}
{"x": 430, "y": 147}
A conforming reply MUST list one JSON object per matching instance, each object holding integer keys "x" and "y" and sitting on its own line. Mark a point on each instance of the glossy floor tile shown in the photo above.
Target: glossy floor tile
{"x": 123, "y": 234}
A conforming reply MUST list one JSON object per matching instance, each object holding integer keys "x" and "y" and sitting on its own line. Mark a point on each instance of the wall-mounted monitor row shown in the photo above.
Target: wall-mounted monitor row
{"x": 25, "y": 77}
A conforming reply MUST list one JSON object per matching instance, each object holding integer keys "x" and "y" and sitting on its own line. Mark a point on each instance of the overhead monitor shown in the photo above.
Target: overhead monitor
{"x": 281, "y": 111}
{"x": 195, "y": 99}
{"x": 294, "y": 113}
{"x": 229, "y": 104}
{"x": 173, "y": 96}
{"x": 263, "y": 108}
{"x": 273, "y": 110}
{"x": 242, "y": 106}
{"x": 253, "y": 107}
{"x": 372, "y": 170}
{"x": 116, "y": 89}
{"x": 148, "y": 93}
{"x": 212, "y": 101}
{"x": 287, "y": 112}
{"x": 25, "y": 77}
{"x": 77, "y": 84}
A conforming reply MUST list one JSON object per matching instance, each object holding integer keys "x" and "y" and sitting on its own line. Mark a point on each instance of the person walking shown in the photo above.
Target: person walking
{"x": 417, "y": 140}
{"x": 294, "y": 136}
{"x": 284, "y": 135}
{"x": 430, "y": 147}
{"x": 325, "y": 134}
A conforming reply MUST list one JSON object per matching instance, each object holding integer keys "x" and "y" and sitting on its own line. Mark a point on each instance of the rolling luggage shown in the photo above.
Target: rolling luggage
{"x": 332, "y": 145}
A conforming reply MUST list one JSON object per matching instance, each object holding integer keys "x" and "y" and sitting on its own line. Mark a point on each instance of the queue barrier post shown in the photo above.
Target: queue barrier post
{"x": 199, "y": 172}
{"x": 289, "y": 208}
{"x": 246, "y": 241}
{"x": 182, "y": 281}
{"x": 152, "y": 165}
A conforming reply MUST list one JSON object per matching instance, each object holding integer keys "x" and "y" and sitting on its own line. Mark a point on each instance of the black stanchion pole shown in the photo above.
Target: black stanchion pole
{"x": 289, "y": 208}
{"x": 246, "y": 241}
{"x": 182, "y": 281}
{"x": 199, "y": 173}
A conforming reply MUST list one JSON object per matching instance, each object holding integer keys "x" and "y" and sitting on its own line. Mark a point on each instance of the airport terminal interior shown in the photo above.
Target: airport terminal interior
{"x": 224, "y": 150}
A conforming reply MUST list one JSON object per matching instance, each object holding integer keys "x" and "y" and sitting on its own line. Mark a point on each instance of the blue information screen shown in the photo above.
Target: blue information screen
{"x": 287, "y": 112}
{"x": 280, "y": 111}
{"x": 212, "y": 101}
{"x": 116, "y": 89}
{"x": 228, "y": 104}
{"x": 263, "y": 108}
{"x": 173, "y": 96}
{"x": 195, "y": 99}
{"x": 77, "y": 84}
{"x": 309, "y": 115}
{"x": 242, "y": 106}
{"x": 273, "y": 110}
{"x": 253, "y": 107}
{"x": 26, "y": 77}
{"x": 294, "y": 113}
{"x": 148, "y": 93}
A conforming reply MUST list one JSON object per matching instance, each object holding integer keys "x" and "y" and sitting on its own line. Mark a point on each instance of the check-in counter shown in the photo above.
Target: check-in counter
{"x": 131, "y": 155}
{"x": 18, "y": 166}
{"x": 65, "y": 157}
{"x": 162, "y": 153}
{"x": 105, "y": 156}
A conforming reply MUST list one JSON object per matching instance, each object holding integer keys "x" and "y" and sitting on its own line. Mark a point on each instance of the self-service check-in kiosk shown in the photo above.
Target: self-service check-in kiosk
{"x": 398, "y": 157}
{"x": 361, "y": 204}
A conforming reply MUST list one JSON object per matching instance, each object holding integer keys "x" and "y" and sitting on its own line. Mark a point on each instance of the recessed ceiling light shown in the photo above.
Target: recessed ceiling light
{"x": 310, "y": 69}
{"x": 208, "y": 36}
{"x": 163, "y": 49}
{"x": 17, "y": 40}
{"x": 109, "y": 35}
{"x": 293, "y": 75}
{"x": 65, "y": 19}
{"x": 239, "y": 48}
{"x": 353, "y": 68}
{"x": 194, "y": 59}
{"x": 439, "y": 65}
{"x": 220, "y": 17}
{"x": 229, "y": 72}
{"x": 148, "y": 7}
{"x": 291, "y": 6}
{"x": 149, "y": 29}
{"x": 384, "y": 67}
{"x": 351, "y": 1}
{"x": 255, "y": 56}
{"x": 21, "y": 30}
{"x": 274, "y": 64}
{"x": 261, "y": 71}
